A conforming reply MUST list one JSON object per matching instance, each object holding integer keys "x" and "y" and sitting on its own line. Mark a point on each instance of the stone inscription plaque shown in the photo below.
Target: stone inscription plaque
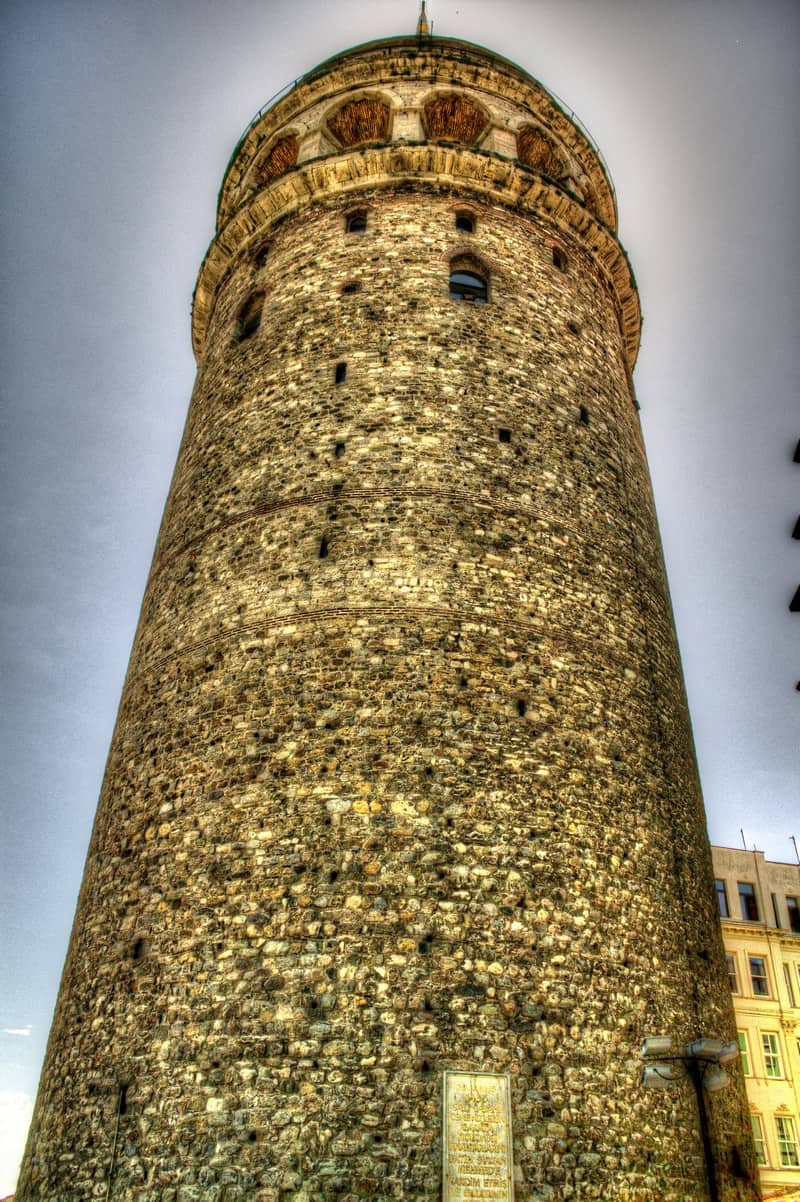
{"x": 478, "y": 1160}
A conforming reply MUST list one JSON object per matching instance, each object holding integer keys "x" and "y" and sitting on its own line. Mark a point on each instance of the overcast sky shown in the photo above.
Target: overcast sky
{"x": 119, "y": 118}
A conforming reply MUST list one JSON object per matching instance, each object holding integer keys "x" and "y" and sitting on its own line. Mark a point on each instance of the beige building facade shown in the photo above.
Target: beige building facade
{"x": 759, "y": 904}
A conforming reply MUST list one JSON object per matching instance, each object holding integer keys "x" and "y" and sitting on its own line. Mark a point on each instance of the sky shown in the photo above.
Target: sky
{"x": 118, "y": 120}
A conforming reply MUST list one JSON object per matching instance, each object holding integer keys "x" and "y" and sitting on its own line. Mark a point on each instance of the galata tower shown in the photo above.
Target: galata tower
{"x": 400, "y": 851}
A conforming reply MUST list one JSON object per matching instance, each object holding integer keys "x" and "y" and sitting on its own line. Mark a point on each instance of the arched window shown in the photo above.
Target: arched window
{"x": 249, "y": 318}
{"x": 467, "y": 285}
{"x": 358, "y": 121}
{"x": 356, "y": 222}
{"x": 537, "y": 150}
{"x": 453, "y": 118}
{"x": 465, "y": 223}
{"x": 281, "y": 157}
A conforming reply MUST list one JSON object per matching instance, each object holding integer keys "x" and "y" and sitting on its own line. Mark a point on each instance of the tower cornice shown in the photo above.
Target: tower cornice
{"x": 481, "y": 174}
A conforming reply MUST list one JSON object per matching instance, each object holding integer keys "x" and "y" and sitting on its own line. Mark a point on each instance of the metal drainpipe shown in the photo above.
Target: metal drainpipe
{"x": 696, "y": 1071}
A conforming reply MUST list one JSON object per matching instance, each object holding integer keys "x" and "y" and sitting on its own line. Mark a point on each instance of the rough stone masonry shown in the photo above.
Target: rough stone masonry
{"x": 403, "y": 779}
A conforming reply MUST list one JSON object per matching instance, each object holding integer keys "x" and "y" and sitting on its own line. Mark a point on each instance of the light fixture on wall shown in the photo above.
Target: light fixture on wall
{"x": 702, "y": 1062}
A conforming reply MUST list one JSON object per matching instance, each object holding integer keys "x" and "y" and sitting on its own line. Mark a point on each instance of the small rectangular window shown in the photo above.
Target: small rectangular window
{"x": 772, "y": 1054}
{"x": 787, "y": 1142}
{"x": 340, "y": 374}
{"x": 758, "y": 975}
{"x": 776, "y": 912}
{"x": 733, "y": 980}
{"x": 793, "y": 907}
{"x": 747, "y": 900}
{"x": 787, "y": 976}
{"x": 744, "y": 1054}
{"x": 356, "y": 223}
{"x": 722, "y": 898}
{"x": 758, "y": 1138}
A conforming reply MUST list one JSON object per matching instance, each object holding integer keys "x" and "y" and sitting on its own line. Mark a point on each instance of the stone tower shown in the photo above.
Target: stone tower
{"x": 402, "y": 780}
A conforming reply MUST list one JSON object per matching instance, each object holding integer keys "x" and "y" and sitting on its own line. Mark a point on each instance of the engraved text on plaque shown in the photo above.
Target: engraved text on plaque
{"x": 477, "y": 1138}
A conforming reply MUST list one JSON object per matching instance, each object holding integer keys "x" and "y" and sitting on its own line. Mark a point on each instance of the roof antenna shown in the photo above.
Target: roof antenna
{"x": 423, "y": 29}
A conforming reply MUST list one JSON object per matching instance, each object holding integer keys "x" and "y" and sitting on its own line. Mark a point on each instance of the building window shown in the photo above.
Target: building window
{"x": 722, "y": 898}
{"x": 366, "y": 119}
{"x": 787, "y": 1142}
{"x": 787, "y": 976}
{"x": 747, "y": 899}
{"x": 453, "y": 118}
{"x": 249, "y": 318}
{"x": 281, "y": 157}
{"x": 261, "y": 255}
{"x": 733, "y": 980}
{"x": 465, "y": 222}
{"x": 356, "y": 223}
{"x": 772, "y": 1054}
{"x": 560, "y": 259}
{"x": 758, "y": 1138}
{"x": 744, "y": 1053}
{"x": 340, "y": 373}
{"x": 465, "y": 285}
{"x": 793, "y": 907}
{"x": 537, "y": 150}
{"x": 758, "y": 975}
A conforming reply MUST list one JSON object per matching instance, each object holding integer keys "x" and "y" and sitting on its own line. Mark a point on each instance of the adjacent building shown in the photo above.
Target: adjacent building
{"x": 759, "y": 904}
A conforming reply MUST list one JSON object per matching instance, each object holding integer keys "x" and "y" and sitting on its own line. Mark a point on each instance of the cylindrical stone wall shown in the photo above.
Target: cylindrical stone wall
{"x": 402, "y": 779}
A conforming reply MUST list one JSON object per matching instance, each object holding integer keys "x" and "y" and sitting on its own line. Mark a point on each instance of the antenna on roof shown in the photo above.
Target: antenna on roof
{"x": 423, "y": 29}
